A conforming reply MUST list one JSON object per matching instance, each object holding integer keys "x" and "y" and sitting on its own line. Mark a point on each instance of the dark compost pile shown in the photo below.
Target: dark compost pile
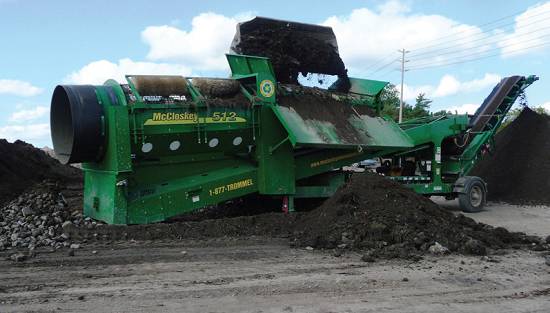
{"x": 375, "y": 214}
{"x": 292, "y": 53}
{"x": 23, "y": 165}
{"x": 518, "y": 171}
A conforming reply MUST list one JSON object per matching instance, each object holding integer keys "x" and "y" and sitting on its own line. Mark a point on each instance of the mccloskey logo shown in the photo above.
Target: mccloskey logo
{"x": 186, "y": 116}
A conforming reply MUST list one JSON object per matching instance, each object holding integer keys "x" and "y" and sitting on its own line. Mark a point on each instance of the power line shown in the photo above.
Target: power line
{"x": 393, "y": 70}
{"x": 384, "y": 66}
{"x": 437, "y": 43}
{"x": 376, "y": 63}
{"x": 475, "y": 54}
{"x": 460, "y": 43}
{"x": 415, "y": 68}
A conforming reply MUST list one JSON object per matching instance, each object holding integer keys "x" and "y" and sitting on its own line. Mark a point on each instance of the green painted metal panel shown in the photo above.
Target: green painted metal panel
{"x": 332, "y": 131}
{"x": 366, "y": 86}
{"x": 162, "y": 159}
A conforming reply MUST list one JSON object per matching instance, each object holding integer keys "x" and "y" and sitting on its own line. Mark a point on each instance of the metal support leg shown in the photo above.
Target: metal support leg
{"x": 288, "y": 204}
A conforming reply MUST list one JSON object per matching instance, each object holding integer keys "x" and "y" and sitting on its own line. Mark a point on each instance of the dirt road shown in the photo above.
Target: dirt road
{"x": 265, "y": 275}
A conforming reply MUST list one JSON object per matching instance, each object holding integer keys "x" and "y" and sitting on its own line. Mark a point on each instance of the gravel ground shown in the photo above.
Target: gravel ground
{"x": 265, "y": 275}
{"x": 534, "y": 220}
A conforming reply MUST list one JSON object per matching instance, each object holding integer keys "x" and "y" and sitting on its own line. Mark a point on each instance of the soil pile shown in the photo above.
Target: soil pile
{"x": 292, "y": 52}
{"x": 375, "y": 214}
{"x": 518, "y": 171}
{"x": 23, "y": 165}
{"x": 370, "y": 214}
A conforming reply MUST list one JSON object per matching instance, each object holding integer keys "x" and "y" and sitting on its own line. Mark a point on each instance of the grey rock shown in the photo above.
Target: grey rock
{"x": 75, "y": 246}
{"x": 475, "y": 247}
{"x": 438, "y": 249}
{"x": 66, "y": 224}
{"x": 18, "y": 257}
{"x": 27, "y": 211}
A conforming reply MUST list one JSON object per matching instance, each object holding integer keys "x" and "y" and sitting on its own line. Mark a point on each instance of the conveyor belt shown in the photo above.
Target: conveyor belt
{"x": 499, "y": 101}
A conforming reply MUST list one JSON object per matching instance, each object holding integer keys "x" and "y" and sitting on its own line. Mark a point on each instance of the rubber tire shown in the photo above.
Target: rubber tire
{"x": 464, "y": 199}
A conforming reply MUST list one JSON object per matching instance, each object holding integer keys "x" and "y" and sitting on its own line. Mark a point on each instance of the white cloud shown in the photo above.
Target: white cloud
{"x": 18, "y": 88}
{"x": 28, "y": 133}
{"x": 450, "y": 85}
{"x": 546, "y": 106}
{"x": 98, "y": 72}
{"x": 531, "y": 29}
{"x": 203, "y": 47}
{"x": 367, "y": 35}
{"x": 28, "y": 115}
{"x": 469, "y": 108}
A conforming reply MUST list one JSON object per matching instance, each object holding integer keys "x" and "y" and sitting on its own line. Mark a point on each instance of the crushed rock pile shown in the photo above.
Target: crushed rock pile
{"x": 38, "y": 218}
{"x": 374, "y": 214}
{"x": 518, "y": 171}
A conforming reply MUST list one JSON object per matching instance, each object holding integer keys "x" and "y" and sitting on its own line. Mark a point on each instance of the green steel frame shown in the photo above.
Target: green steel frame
{"x": 162, "y": 160}
{"x": 428, "y": 135}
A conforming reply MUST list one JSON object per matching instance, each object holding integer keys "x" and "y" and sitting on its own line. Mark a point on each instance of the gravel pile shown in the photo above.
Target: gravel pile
{"x": 38, "y": 218}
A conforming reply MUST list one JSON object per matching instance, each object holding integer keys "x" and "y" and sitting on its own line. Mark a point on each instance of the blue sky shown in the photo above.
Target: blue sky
{"x": 52, "y": 42}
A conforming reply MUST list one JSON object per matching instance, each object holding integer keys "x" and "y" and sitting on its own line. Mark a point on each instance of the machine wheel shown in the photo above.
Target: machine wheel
{"x": 474, "y": 196}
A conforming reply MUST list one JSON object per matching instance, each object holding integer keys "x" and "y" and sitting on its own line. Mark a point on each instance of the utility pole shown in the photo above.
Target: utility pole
{"x": 403, "y": 52}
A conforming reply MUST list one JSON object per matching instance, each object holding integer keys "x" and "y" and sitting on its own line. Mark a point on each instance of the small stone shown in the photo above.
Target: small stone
{"x": 94, "y": 252}
{"x": 438, "y": 249}
{"x": 309, "y": 248}
{"x": 26, "y": 211}
{"x": 475, "y": 247}
{"x": 18, "y": 257}
{"x": 405, "y": 279}
{"x": 81, "y": 298}
{"x": 66, "y": 225}
{"x": 337, "y": 253}
{"x": 75, "y": 246}
{"x": 183, "y": 252}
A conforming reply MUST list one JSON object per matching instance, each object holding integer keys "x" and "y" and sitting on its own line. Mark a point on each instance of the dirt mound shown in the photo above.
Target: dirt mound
{"x": 291, "y": 53}
{"x": 23, "y": 165}
{"x": 370, "y": 213}
{"x": 375, "y": 214}
{"x": 518, "y": 171}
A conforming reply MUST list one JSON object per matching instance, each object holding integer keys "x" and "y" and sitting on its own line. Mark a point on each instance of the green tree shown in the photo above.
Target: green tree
{"x": 514, "y": 113}
{"x": 541, "y": 110}
{"x": 421, "y": 107}
{"x": 389, "y": 97}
